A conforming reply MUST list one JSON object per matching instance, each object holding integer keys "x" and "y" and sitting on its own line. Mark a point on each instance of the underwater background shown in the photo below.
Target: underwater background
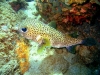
{"x": 41, "y": 50}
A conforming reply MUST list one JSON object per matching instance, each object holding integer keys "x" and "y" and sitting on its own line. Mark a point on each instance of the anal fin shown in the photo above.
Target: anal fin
{"x": 72, "y": 49}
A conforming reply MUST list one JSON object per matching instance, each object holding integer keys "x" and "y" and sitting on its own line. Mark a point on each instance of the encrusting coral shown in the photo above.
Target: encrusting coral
{"x": 22, "y": 51}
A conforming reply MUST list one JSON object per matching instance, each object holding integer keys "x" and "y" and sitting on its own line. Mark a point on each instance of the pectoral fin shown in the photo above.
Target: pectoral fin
{"x": 45, "y": 43}
{"x": 53, "y": 24}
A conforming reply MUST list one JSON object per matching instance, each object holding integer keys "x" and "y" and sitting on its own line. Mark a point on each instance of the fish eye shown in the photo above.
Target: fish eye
{"x": 24, "y": 29}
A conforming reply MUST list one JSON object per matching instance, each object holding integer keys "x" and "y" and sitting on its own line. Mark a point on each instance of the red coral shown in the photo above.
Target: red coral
{"x": 77, "y": 19}
{"x": 79, "y": 14}
{"x": 83, "y": 10}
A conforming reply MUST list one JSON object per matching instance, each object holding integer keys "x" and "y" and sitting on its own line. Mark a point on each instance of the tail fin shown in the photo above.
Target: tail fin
{"x": 86, "y": 42}
{"x": 89, "y": 42}
{"x": 72, "y": 49}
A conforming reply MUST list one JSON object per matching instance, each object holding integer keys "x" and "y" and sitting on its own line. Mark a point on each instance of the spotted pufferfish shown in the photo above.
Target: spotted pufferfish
{"x": 46, "y": 35}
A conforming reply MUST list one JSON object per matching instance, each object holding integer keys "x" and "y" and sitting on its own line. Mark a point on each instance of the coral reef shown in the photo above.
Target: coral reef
{"x": 8, "y": 21}
{"x": 19, "y": 56}
{"x": 8, "y": 16}
{"x": 78, "y": 14}
{"x": 66, "y": 16}
{"x": 68, "y": 19}
{"x": 8, "y": 35}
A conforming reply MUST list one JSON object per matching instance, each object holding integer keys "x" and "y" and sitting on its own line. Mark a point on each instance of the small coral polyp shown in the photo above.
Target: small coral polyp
{"x": 22, "y": 52}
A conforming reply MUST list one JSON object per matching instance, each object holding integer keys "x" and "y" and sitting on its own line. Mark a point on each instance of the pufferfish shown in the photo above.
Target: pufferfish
{"x": 46, "y": 35}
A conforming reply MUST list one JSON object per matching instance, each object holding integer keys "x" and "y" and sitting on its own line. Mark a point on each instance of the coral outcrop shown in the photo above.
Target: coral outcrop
{"x": 8, "y": 35}
{"x": 64, "y": 15}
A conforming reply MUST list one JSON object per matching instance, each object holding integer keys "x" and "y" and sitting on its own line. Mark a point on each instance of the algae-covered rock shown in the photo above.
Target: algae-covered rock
{"x": 54, "y": 65}
{"x": 78, "y": 69}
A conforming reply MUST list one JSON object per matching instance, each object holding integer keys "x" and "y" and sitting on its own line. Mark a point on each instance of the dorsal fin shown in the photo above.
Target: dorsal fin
{"x": 53, "y": 24}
